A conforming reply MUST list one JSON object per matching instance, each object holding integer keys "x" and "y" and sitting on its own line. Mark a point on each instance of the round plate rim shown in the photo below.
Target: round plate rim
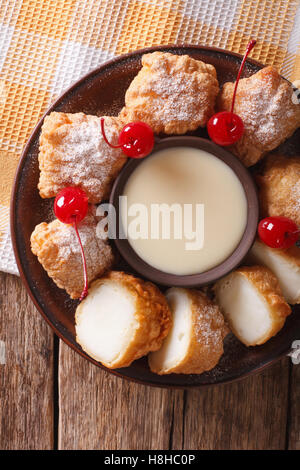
{"x": 13, "y": 227}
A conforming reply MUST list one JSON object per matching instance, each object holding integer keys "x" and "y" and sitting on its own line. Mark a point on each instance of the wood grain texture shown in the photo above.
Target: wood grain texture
{"x": 250, "y": 414}
{"x": 100, "y": 411}
{"x": 26, "y": 392}
{"x": 294, "y": 412}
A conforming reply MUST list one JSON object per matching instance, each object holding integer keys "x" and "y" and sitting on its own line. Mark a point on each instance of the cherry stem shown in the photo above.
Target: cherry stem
{"x": 85, "y": 289}
{"x": 104, "y": 136}
{"x": 296, "y": 232}
{"x": 249, "y": 48}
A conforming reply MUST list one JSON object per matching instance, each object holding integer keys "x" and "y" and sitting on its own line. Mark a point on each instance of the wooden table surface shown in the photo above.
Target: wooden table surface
{"x": 51, "y": 398}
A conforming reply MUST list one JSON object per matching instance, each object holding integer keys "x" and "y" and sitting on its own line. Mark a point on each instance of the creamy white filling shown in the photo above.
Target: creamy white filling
{"x": 175, "y": 346}
{"x": 106, "y": 323}
{"x": 245, "y": 309}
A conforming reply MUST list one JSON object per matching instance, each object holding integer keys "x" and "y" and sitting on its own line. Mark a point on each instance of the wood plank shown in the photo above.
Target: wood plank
{"x": 26, "y": 410}
{"x": 100, "y": 411}
{"x": 294, "y": 412}
{"x": 250, "y": 414}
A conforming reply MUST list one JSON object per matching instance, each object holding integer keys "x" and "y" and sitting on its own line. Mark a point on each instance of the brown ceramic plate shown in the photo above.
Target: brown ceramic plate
{"x": 102, "y": 92}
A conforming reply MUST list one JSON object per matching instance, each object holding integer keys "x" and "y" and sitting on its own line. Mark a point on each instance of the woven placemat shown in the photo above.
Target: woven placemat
{"x": 45, "y": 45}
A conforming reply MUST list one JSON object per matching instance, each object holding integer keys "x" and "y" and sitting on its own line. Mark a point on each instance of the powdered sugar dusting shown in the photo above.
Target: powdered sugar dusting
{"x": 209, "y": 326}
{"x": 97, "y": 252}
{"x": 172, "y": 93}
{"x": 264, "y": 102}
{"x": 76, "y": 154}
{"x": 85, "y": 157}
{"x": 180, "y": 104}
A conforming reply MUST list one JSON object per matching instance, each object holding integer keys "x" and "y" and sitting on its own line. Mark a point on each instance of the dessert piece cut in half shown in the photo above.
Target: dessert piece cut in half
{"x": 73, "y": 152}
{"x": 58, "y": 250}
{"x": 195, "y": 341}
{"x": 285, "y": 264}
{"x": 279, "y": 187}
{"x": 251, "y": 301}
{"x": 172, "y": 93}
{"x": 122, "y": 319}
{"x": 266, "y": 106}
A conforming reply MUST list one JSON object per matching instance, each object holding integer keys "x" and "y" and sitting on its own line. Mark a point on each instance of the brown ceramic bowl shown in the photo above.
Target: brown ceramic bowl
{"x": 204, "y": 278}
{"x": 102, "y": 92}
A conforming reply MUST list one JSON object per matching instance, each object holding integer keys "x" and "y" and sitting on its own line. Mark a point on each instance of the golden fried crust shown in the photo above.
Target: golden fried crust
{"x": 267, "y": 284}
{"x": 264, "y": 102}
{"x": 73, "y": 153}
{"x": 292, "y": 255}
{"x": 279, "y": 187}
{"x": 207, "y": 334}
{"x": 152, "y": 314}
{"x": 57, "y": 248}
{"x": 173, "y": 94}
{"x": 287, "y": 265}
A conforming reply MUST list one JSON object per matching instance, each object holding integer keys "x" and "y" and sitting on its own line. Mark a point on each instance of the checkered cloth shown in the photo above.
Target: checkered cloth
{"x": 45, "y": 45}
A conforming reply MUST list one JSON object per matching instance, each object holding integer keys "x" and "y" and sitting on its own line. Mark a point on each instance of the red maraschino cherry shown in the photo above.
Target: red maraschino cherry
{"x": 136, "y": 139}
{"x": 70, "y": 207}
{"x": 278, "y": 232}
{"x": 226, "y": 127}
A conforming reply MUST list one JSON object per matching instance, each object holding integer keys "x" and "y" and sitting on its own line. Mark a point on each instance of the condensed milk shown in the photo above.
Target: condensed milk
{"x": 184, "y": 210}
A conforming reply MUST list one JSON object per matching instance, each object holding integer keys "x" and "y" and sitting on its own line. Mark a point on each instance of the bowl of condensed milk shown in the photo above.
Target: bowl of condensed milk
{"x": 185, "y": 215}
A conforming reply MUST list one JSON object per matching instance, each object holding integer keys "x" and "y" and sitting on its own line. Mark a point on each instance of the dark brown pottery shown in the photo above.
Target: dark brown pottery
{"x": 102, "y": 92}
